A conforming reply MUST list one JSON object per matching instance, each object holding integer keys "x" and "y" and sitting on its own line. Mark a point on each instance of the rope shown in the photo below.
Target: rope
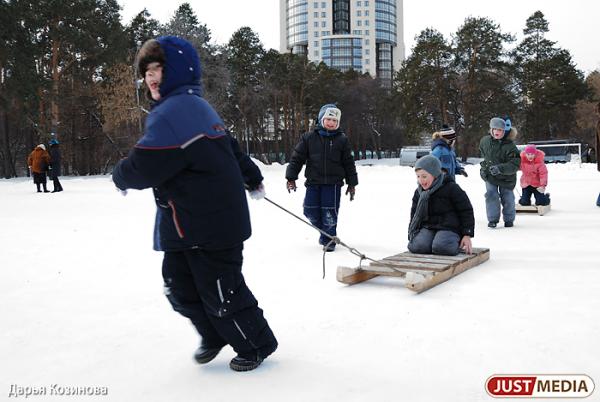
{"x": 332, "y": 239}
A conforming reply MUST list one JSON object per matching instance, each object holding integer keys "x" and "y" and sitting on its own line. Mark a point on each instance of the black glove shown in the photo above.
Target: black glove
{"x": 463, "y": 173}
{"x": 350, "y": 190}
{"x": 291, "y": 185}
{"x": 494, "y": 170}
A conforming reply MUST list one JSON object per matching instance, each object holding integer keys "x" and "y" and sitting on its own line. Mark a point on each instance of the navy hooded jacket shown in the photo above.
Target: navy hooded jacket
{"x": 190, "y": 161}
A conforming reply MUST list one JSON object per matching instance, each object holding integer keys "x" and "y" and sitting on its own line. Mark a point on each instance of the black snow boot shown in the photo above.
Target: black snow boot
{"x": 240, "y": 363}
{"x": 204, "y": 354}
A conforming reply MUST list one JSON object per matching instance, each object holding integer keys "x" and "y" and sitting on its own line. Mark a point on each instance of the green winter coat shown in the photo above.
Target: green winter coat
{"x": 504, "y": 154}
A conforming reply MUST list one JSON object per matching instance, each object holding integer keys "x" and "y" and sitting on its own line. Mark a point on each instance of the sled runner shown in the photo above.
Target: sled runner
{"x": 421, "y": 271}
{"x": 539, "y": 209}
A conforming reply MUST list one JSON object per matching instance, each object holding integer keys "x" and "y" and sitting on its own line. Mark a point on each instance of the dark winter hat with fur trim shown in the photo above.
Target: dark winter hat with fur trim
{"x": 150, "y": 52}
{"x": 179, "y": 59}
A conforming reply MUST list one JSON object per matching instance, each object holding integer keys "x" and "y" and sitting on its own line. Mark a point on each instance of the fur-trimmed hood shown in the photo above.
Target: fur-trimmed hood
{"x": 179, "y": 59}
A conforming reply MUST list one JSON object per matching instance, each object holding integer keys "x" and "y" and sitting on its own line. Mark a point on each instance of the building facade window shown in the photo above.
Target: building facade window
{"x": 297, "y": 23}
{"x": 384, "y": 61}
{"x": 385, "y": 21}
{"x": 342, "y": 53}
{"x": 341, "y": 17}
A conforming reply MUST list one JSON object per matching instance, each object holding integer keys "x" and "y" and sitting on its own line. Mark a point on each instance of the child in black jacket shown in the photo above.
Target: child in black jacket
{"x": 328, "y": 157}
{"x": 441, "y": 217}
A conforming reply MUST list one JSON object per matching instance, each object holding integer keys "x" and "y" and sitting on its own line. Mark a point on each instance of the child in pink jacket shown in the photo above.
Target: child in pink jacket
{"x": 535, "y": 176}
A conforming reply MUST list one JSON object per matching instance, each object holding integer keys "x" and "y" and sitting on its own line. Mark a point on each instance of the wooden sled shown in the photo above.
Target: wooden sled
{"x": 421, "y": 271}
{"x": 539, "y": 209}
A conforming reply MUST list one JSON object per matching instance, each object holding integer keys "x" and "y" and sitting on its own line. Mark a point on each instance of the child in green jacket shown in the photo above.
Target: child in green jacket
{"x": 499, "y": 171}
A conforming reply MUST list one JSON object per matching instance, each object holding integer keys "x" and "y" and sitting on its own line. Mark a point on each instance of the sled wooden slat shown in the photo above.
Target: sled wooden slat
{"x": 539, "y": 209}
{"x": 422, "y": 271}
{"x": 422, "y": 258}
{"x": 410, "y": 265}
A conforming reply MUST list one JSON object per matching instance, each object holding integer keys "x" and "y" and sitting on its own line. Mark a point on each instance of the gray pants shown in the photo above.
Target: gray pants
{"x": 428, "y": 241}
{"x": 494, "y": 196}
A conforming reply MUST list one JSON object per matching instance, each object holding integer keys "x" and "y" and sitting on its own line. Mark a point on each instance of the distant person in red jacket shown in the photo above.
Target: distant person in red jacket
{"x": 535, "y": 176}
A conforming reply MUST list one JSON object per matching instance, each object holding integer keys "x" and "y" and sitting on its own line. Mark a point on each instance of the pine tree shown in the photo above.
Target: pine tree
{"x": 484, "y": 78}
{"x": 548, "y": 81}
{"x": 424, "y": 85}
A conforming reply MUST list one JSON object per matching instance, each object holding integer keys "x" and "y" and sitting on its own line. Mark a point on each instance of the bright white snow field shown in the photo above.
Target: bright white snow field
{"x": 82, "y": 304}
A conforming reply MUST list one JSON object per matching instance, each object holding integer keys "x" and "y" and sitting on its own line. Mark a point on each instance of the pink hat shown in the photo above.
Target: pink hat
{"x": 530, "y": 149}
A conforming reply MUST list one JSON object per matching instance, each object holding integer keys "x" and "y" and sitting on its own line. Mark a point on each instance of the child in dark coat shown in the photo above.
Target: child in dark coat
{"x": 328, "y": 157}
{"x": 441, "y": 217}
{"x": 55, "y": 164}
{"x": 195, "y": 170}
{"x": 501, "y": 161}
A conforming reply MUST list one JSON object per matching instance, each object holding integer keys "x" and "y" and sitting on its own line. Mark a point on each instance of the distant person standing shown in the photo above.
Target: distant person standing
{"x": 55, "y": 165}
{"x": 38, "y": 162}
{"x": 501, "y": 161}
{"x": 598, "y": 147}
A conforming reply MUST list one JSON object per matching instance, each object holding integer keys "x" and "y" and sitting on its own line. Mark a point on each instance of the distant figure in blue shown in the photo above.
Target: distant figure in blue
{"x": 197, "y": 173}
{"x": 442, "y": 148}
{"x": 328, "y": 157}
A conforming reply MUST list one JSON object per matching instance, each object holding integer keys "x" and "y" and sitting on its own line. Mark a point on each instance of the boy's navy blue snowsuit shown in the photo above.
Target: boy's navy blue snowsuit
{"x": 197, "y": 173}
{"x": 329, "y": 161}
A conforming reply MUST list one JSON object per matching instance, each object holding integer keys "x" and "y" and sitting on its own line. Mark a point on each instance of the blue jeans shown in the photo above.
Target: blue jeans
{"x": 496, "y": 196}
{"x": 321, "y": 206}
{"x": 429, "y": 241}
{"x": 540, "y": 198}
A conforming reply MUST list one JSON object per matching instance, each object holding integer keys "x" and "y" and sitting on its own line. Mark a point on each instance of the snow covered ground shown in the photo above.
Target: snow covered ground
{"x": 82, "y": 304}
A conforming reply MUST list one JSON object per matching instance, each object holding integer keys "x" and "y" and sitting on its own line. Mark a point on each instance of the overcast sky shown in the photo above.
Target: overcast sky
{"x": 573, "y": 23}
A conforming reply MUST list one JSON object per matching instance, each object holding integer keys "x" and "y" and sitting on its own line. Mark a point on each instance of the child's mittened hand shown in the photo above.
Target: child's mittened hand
{"x": 291, "y": 185}
{"x": 541, "y": 189}
{"x": 494, "y": 170}
{"x": 258, "y": 193}
{"x": 351, "y": 190}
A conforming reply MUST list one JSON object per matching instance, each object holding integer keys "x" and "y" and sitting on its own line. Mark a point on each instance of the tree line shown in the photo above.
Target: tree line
{"x": 67, "y": 70}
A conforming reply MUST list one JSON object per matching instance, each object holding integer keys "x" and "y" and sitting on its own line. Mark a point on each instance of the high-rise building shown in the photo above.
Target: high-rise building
{"x": 366, "y": 35}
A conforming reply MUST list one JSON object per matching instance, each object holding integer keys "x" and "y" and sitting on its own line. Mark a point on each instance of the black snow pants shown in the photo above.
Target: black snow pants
{"x": 207, "y": 286}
